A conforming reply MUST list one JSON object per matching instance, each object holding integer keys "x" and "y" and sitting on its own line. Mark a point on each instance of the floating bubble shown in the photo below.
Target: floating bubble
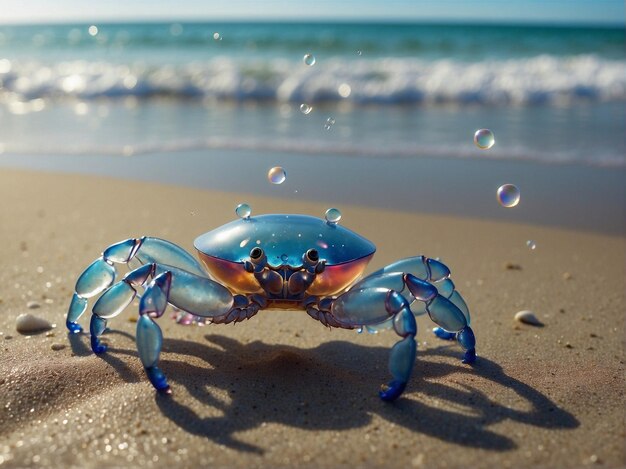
{"x": 333, "y": 215}
{"x": 327, "y": 126}
{"x": 276, "y": 175}
{"x": 508, "y": 195}
{"x": 309, "y": 59}
{"x": 359, "y": 52}
{"x": 531, "y": 245}
{"x": 305, "y": 108}
{"x": 330, "y": 120}
{"x": 484, "y": 139}
{"x": 243, "y": 211}
{"x": 93, "y": 30}
{"x": 217, "y": 36}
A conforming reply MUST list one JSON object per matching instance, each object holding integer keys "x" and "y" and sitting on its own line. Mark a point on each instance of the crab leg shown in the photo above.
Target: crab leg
{"x": 445, "y": 313}
{"x": 149, "y": 335}
{"x": 187, "y": 291}
{"x": 197, "y": 295}
{"x": 113, "y": 301}
{"x": 421, "y": 267}
{"x": 369, "y": 306}
{"x": 437, "y": 274}
{"x": 101, "y": 273}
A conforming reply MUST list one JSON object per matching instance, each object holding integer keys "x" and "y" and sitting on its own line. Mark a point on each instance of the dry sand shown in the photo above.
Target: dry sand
{"x": 280, "y": 390}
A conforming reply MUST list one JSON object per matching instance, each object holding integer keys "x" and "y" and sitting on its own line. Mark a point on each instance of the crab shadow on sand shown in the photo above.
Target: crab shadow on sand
{"x": 334, "y": 387}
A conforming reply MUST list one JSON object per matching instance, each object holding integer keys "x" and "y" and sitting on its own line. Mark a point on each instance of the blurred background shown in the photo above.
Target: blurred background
{"x": 326, "y": 90}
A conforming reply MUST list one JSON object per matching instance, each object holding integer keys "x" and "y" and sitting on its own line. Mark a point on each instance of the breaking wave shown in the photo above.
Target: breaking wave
{"x": 544, "y": 79}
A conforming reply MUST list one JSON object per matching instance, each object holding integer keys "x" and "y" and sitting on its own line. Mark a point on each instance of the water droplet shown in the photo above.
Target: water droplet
{"x": 508, "y": 195}
{"x": 276, "y": 175}
{"x": 359, "y": 52}
{"x": 484, "y": 139}
{"x": 344, "y": 90}
{"x": 305, "y": 108}
{"x": 243, "y": 211}
{"x": 309, "y": 59}
{"x": 284, "y": 257}
{"x": 217, "y": 36}
{"x": 93, "y": 30}
{"x": 531, "y": 244}
{"x": 333, "y": 215}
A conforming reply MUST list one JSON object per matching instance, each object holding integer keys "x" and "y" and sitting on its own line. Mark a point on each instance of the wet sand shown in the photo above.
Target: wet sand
{"x": 580, "y": 197}
{"x": 281, "y": 390}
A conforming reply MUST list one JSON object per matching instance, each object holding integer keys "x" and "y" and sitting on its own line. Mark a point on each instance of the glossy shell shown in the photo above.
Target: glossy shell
{"x": 284, "y": 238}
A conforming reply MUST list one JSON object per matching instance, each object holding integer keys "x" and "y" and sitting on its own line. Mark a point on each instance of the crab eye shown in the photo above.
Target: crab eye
{"x": 256, "y": 253}
{"x": 313, "y": 255}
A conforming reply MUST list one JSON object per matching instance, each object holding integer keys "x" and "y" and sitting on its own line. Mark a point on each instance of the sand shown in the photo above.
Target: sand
{"x": 281, "y": 390}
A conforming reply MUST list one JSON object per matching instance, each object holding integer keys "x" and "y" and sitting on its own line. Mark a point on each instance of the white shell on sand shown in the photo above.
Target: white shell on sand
{"x": 27, "y": 323}
{"x": 528, "y": 317}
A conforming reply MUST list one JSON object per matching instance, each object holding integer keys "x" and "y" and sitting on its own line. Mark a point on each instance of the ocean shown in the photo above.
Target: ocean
{"x": 384, "y": 117}
{"x": 551, "y": 94}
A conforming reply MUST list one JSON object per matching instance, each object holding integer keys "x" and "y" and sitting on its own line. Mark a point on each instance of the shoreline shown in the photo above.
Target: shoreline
{"x": 280, "y": 389}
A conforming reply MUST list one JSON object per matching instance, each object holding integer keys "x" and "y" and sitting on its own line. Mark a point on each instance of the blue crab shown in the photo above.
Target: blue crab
{"x": 267, "y": 262}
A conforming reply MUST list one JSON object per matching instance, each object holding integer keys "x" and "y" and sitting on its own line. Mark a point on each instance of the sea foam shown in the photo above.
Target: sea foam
{"x": 543, "y": 79}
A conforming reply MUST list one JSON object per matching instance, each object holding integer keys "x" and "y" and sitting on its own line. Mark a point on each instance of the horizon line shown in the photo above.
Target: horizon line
{"x": 321, "y": 20}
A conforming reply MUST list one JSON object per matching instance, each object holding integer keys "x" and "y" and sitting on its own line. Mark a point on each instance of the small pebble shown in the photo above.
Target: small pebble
{"x": 512, "y": 266}
{"x": 33, "y": 305}
{"x": 567, "y": 276}
{"x": 27, "y": 323}
{"x": 528, "y": 317}
{"x": 49, "y": 334}
{"x": 568, "y": 345}
{"x": 57, "y": 347}
{"x": 132, "y": 319}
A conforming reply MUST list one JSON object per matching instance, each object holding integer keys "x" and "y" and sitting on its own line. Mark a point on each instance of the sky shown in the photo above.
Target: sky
{"x": 510, "y": 11}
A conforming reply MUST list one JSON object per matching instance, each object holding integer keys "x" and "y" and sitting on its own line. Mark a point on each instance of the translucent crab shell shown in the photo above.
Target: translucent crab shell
{"x": 284, "y": 239}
